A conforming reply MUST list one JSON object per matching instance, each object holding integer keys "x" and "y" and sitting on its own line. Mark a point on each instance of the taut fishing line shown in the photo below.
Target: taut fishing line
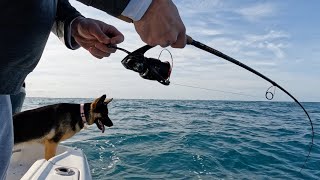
{"x": 155, "y": 69}
{"x": 216, "y": 90}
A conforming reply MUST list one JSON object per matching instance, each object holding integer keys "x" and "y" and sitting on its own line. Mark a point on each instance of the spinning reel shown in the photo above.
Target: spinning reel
{"x": 148, "y": 68}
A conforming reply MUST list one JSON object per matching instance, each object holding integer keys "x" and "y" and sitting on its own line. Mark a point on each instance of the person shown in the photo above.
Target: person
{"x": 27, "y": 26}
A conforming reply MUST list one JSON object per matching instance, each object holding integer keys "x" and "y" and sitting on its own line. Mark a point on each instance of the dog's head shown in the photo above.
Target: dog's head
{"x": 99, "y": 113}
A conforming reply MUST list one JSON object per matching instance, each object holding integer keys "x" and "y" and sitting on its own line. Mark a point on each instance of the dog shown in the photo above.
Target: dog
{"x": 52, "y": 124}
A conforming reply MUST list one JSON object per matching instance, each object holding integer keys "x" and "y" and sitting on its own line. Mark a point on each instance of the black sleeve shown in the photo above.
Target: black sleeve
{"x": 112, "y": 7}
{"x": 65, "y": 12}
{"x": 62, "y": 27}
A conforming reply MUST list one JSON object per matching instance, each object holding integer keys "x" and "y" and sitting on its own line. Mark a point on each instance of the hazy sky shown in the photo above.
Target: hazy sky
{"x": 278, "y": 38}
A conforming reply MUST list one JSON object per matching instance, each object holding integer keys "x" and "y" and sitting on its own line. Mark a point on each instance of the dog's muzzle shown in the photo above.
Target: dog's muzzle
{"x": 101, "y": 122}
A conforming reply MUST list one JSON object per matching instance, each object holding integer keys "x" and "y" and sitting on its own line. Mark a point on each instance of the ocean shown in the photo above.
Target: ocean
{"x": 191, "y": 139}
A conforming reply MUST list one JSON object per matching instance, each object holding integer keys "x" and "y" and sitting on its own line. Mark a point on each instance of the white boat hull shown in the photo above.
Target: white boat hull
{"x": 28, "y": 163}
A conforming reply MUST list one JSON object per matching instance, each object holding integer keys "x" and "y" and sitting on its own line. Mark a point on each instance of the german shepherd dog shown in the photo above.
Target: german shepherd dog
{"x": 51, "y": 124}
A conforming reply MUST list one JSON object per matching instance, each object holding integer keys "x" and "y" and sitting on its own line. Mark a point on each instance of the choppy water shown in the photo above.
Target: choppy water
{"x": 165, "y": 139}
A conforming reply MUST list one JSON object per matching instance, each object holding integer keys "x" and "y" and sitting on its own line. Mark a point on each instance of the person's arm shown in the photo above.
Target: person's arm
{"x": 62, "y": 26}
{"x": 127, "y": 10}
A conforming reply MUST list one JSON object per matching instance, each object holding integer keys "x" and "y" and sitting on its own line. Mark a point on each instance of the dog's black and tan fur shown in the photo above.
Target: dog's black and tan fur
{"x": 54, "y": 123}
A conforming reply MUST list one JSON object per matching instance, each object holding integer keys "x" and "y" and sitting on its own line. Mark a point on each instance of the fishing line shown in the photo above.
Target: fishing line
{"x": 215, "y": 90}
{"x": 213, "y": 51}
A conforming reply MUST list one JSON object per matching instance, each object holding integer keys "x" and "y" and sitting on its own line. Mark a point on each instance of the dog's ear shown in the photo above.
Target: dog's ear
{"x": 108, "y": 100}
{"x": 98, "y": 102}
{"x": 101, "y": 99}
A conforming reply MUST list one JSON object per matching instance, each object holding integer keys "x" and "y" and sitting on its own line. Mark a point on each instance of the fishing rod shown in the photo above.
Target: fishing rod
{"x": 154, "y": 69}
{"x": 204, "y": 47}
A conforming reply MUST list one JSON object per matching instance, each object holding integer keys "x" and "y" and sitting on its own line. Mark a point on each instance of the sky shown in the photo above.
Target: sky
{"x": 280, "y": 39}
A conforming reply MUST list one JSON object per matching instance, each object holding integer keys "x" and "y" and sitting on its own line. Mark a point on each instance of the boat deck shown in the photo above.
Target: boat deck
{"x": 28, "y": 162}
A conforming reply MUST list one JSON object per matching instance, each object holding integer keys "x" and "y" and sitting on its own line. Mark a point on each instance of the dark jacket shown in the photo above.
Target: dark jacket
{"x": 24, "y": 30}
{"x": 112, "y": 7}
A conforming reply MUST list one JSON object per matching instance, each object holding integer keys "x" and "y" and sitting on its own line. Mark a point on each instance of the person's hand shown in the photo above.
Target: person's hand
{"x": 94, "y": 35}
{"x": 162, "y": 25}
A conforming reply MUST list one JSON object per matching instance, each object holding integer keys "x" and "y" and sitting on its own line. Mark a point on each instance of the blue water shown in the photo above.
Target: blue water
{"x": 166, "y": 139}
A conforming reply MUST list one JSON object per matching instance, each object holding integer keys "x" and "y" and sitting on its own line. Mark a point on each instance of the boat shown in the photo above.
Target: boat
{"x": 28, "y": 163}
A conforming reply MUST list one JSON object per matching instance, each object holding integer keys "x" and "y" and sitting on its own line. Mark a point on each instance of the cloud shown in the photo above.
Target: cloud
{"x": 257, "y": 11}
{"x": 271, "y": 35}
{"x": 254, "y": 46}
{"x": 275, "y": 41}
{"x": 205, "y": 31}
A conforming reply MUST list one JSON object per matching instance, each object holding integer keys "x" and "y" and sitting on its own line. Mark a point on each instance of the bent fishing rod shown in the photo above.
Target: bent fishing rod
{"x": 154, "y": 69}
